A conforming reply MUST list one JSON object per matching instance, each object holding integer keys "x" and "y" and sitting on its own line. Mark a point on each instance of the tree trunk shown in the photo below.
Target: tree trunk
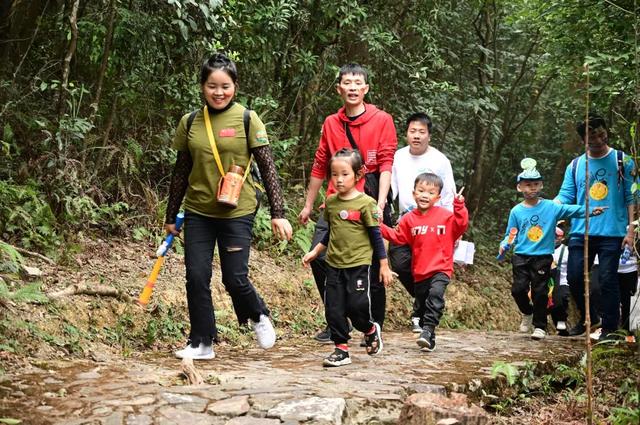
{"x": 66, "y": 65}
{"x": 105, "y": 58}
{"x": 110, "y": 120}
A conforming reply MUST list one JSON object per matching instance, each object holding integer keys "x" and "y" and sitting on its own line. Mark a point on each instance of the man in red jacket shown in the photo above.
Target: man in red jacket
{"x": 361, "y": 126}
{"x": 431, "y": 232}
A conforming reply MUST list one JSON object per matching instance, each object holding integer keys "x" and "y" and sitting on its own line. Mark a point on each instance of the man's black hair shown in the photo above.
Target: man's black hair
{"x": 594, "y": 121}
{"x": 421, "y": 117}
{"x": 430, "y": 179}
{"x": 355, "y": 69}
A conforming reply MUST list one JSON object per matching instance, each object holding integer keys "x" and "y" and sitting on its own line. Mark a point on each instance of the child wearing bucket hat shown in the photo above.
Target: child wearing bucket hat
{"x": 533, "y": 222}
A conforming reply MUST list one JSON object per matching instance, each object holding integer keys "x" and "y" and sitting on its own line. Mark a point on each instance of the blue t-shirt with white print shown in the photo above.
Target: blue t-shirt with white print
{"x": 537, "y": 225}
{"x": 605, "y": 189}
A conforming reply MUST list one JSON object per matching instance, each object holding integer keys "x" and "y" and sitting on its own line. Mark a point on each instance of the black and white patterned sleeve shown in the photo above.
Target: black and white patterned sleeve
{"x": 179, "y": 184}
{"x": 267, "y": 167}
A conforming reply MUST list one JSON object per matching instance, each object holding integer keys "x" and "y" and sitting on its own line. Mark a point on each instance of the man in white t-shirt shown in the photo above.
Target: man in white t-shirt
{"x": 416, "y": 158}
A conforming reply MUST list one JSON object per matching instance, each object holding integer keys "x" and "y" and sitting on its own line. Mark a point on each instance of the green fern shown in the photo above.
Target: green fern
{"x": 26, "y": 294}
{"x": 10, "y": 259}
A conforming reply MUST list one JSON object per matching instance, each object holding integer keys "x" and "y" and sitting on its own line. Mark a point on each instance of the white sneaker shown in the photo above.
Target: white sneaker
{"x": 415, "y": 325}
{"x": 201, "y": 352}
{"x": 561, "y": 326}
{"x": 595, "y": 335}
{"x": 538, "y": 334}
{"x": 265, "y": 334}
{"x": 525, "y": 324}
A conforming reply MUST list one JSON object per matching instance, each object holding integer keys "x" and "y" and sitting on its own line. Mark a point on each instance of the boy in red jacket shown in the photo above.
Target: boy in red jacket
{"x": 431, "y": 232}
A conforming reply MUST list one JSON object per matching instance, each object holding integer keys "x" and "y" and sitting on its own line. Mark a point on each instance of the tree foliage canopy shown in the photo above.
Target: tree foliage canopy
{"x": 91, "y": 92}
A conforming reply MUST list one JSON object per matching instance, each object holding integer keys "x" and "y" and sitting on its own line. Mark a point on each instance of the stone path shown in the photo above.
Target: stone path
{"x": 286, "y": 384}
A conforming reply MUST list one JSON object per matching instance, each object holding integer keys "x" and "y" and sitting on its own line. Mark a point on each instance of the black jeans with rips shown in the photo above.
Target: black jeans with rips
{"x": 233, "y": 237}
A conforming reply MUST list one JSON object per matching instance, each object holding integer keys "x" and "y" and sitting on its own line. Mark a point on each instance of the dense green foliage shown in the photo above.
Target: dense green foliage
{"x": 87, "y": 115}
{"x": 523, "y": 391}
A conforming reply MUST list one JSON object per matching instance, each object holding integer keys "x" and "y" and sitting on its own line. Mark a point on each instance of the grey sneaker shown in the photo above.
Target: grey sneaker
{"x": 525, "y": 324}
{"x": 427, "y": 339}
{"x": 324, "y": 336}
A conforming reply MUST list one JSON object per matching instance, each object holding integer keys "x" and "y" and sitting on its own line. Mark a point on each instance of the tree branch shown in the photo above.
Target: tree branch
{"x": 85, "y": 289}
{"x": 33, "y": 254}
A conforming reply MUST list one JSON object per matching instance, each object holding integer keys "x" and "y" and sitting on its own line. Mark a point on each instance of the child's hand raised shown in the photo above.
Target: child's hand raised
{"x": 459, "y": 196}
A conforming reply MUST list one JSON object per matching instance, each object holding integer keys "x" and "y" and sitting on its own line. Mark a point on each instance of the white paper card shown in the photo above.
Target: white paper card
{"x": 464, "y": 252}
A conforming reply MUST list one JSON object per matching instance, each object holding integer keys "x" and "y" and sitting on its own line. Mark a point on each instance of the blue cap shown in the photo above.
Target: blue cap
{"x": 530, "y": 172}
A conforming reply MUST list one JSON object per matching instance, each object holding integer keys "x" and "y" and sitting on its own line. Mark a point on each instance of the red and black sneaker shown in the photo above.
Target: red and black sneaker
{"x": 337, "y": 358}
{"x": 373, "y": 341}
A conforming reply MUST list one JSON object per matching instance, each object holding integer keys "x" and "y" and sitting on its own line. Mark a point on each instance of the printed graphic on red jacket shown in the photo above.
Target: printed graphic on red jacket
{"x": 431, "y": 236}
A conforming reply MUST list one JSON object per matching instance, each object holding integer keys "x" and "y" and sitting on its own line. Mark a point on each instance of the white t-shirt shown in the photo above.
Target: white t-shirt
{"x": 406, "y": 168}
{"x": 561, "y": 263}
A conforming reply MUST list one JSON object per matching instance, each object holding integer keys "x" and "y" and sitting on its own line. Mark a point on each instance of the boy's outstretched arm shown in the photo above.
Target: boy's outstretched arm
{"x": 393, "y": 235}
{"x": 460, "y": 215}
{"x": 577, "y": 211}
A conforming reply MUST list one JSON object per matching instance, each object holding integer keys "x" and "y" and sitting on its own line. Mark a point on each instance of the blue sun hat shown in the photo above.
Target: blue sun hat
{"x": 529, "y": 170}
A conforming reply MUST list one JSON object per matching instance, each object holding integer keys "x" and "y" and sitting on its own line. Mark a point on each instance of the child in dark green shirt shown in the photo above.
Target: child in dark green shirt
{"x": 353, "y": 237}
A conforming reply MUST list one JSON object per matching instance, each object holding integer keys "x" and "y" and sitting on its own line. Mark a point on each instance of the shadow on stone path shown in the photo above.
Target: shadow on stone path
{"x": 286, "y": 384}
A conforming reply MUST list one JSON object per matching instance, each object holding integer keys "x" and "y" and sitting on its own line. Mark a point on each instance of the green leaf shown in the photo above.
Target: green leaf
{"x": 10, "y": 421}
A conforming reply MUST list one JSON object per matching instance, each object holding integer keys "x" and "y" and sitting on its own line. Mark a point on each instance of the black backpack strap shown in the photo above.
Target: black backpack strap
{"x": 352, "y": 141}
{"x": 620, "y": 162}
{"x": 192, "y": 116}
{"x": 246, "y": 120}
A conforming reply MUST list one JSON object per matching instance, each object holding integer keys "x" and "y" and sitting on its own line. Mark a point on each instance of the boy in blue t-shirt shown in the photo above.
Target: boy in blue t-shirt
{"x": 534, "y": 220}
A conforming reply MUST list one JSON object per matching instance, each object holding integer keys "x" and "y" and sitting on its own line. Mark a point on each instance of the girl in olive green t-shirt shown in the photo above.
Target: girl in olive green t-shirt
{"x": 195, "y": 179}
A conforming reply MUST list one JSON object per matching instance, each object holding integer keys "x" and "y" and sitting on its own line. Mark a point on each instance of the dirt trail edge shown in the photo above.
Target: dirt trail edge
{"x": 286, "y": 384}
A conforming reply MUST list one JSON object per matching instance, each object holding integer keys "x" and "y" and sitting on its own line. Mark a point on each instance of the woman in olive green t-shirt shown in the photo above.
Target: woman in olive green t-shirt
{"x": 195, "y": 178}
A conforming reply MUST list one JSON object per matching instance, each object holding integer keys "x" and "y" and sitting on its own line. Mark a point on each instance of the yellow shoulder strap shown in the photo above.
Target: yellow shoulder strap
{"x": 214, "y": 149}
